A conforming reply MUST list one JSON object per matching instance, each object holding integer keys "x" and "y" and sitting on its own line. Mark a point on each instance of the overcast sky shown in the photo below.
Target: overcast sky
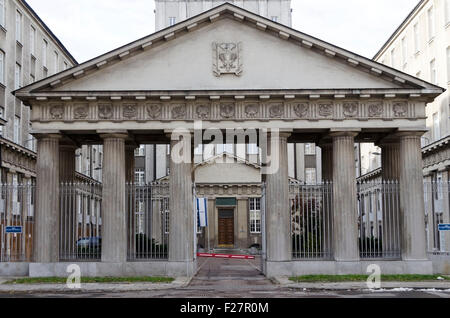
{"x": 89, "y": 28}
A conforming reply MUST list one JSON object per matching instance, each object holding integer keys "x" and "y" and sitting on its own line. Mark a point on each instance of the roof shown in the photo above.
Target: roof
{"x": 54, "y": 37}
{"x": 236, "y": 159}
{"x": 230, "y": 11}
{"x": 410, "y": 15}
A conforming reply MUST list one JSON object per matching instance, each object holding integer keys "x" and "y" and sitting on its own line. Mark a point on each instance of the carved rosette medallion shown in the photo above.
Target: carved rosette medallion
{"x": 57, "y": 112}
{"x": 325, "y": 110}
{"x": 179, "y": 111}
{"x": 81, "y": 112}
{"x": 129, "y": 111}
{"x": 154, "y": 110}
{"x": 400, "y": 109}
{"x": 227, "y": 58}
{"x": 276, "y": 110}
{"x": 376, "y": 110}
{"x": 227, "y": 110}
{"x": 105, "y": 111}
{"x": 301, "y": 110}
{"x": 251, "y": 110}
{"x": 203, "y": 111}
{"x": 351, "y": 109}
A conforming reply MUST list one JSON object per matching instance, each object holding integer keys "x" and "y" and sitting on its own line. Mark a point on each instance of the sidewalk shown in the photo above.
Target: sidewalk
{"x": 92, "y": 287}
{"x": 285, "y": 282}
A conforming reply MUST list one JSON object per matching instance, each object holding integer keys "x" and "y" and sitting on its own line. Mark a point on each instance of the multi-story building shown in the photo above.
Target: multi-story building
{"x": 29, "y": 52}
{"x": 170, "y": 12}
{"x": 421, "y": 47}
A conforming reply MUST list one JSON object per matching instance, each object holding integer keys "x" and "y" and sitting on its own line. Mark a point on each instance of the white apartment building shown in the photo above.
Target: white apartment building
{"x": 421, "y": 47}
{"x": 170, "y": 12}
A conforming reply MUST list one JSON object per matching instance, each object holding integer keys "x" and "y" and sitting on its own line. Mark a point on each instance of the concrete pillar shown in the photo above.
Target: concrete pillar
{"x": 114, "y": 237}
{"x": 390, "y": 172}
{"x": 46, "y": 232}
{"x": 345, "y": 215}
{"x": 327, "y": 162}
{"x": 181, "y": 217}
{"x": 412, "y": 209}
{"x": 278, "y": 215}
{"x": 446, "y": 213}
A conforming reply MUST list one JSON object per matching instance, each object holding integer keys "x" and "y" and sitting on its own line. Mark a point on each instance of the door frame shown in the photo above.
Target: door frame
{"x": 229, "y": 208}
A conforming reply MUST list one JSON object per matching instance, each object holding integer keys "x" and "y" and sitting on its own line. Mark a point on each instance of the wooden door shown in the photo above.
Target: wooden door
{"x": 226, "y": 228}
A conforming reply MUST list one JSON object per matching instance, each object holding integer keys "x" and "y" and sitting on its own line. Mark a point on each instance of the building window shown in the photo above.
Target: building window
{"x": 2, "y": 13}
{"x": 447, "y": 12}
{"x": 44, "y": 53}
{"x": 255, "y": 215}
{"x": 274, "y": 18}
{"x": 310, "y": 175}
{"x": 2, "y": 111}
{"x": 32, "y": 40}
{"x": 436, "y": 128}
{"x": 448, "y": 64}
{"x": 310, "y": 149}
{"x": 56, "y": 61}
{"x": 252, "y": 149}
{"x": 17, "y": 129}
{"x": 17, "y": 76}
{"x": 140, "y": 152}
{"x": 32, "y": 79}
{"x": 66, "y": 66}
{"x": 416, "y": 38}
{"x": 172, "y": 21}
{"x": 139, "y": 176}
{"x": 433, "y": 73}
{"x": 393, "y": 57}
{"x": 431, "y": 27}
{"x": 2, "y": 67}
{"x": 18, "y": 26}
{"x": 404, "y": 51}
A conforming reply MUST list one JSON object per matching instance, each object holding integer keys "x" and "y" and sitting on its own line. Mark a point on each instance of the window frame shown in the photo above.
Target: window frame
{"x": 255, "y": 215}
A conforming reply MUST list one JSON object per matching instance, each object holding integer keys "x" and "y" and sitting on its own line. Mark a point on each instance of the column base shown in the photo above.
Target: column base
{"x": 127, "y": 269}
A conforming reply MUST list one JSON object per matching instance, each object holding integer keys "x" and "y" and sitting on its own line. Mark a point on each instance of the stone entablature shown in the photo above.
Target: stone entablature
{"x": 436, "y": 156}
{"x": 235, "y": 190}
{"x": 227, "y": 109}
{"x": 17, "y": 158}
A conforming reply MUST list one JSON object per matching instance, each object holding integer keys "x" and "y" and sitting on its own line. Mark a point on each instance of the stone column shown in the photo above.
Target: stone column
{"x": 412, "y": 209}
{"x": 390, "y": 174}
{"x": 446, "y": 203}
{"x": 130, "y": 200}
{"x": 278, "y": 214}
{"x": 181, "y": 217}
{"x": 46, "y": 232}
{"x": 345, "y": 215}
{"x": 114, "y": 237}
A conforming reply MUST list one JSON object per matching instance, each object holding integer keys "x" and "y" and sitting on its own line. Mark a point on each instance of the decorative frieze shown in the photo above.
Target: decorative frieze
{"x": 227, "y": 109}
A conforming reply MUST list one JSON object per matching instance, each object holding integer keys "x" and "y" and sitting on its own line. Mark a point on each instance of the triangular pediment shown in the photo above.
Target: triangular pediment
{"x": 264, "y": 56}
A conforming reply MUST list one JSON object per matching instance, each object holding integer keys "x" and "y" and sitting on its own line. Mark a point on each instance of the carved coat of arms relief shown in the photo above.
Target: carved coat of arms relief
{"x": 227, "y": 58}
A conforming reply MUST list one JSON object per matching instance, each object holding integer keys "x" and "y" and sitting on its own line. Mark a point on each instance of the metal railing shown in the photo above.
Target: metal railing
{"x": 437, "y": 211}
{"x": 311, "y": 220}
{"x": 148, "y": 221}
{"x": 80, "y": 230}
{"x": 379, "y": 219}
{"x": 16, "y": 222}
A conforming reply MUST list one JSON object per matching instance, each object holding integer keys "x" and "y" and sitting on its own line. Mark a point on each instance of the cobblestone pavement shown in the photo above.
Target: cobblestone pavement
{"x": 226, "y": 278}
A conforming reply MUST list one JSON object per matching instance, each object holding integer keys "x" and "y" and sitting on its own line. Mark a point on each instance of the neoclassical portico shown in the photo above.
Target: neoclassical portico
{"x": 310, "y": 91}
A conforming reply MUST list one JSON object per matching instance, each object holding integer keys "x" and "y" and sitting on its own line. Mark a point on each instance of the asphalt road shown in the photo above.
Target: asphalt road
{"x": 224, "y": 278}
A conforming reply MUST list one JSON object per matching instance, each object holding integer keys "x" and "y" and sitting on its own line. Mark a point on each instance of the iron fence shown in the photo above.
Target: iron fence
{"x": 16, "y": 222}
{"x": 437, "y": 211}
{"x": 379, "y": 219}
{"x": 80, "y": 231}
{"x": 311, "y": 220}
{"x": 148, "y": 221}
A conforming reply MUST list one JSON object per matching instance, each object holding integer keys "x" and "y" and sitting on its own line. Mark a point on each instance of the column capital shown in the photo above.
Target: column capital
{"x": 351, "y": 132}
{"x": 47, "y": 135}
{"x": 404, "y": 133}
{"x": 116, "y": 134}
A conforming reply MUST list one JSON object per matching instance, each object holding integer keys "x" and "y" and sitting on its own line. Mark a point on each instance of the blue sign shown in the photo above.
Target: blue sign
{"x": 444, "y": 227}
{"x": 13, "y": 229}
